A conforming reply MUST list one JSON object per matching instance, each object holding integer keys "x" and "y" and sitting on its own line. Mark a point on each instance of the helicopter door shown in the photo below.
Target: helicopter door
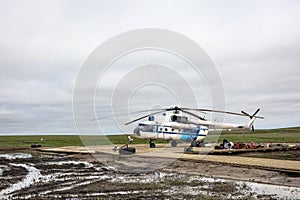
{"x": 160, "y": 132}
{"x": 154, "y": 128}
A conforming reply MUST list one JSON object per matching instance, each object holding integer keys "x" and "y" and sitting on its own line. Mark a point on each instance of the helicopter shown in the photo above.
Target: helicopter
{"x": 179, "y": 125}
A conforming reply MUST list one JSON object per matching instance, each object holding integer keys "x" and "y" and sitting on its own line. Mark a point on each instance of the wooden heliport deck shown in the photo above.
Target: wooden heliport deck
{"x": 166, "y": 151}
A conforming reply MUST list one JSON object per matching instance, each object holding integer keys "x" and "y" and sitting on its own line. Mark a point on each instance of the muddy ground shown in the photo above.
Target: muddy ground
{"x": 29, "y": 174}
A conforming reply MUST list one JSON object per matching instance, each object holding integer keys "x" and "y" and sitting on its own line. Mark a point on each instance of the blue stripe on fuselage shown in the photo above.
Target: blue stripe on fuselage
{"x": 186, "y": 136}
{"x": 189, "y": 134}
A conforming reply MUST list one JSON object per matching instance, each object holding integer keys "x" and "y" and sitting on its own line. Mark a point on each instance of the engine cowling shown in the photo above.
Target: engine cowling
{"x": 173, "y": 118}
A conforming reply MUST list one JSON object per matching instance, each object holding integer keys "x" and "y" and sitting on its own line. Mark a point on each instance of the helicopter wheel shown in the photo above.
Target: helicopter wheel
{"x": 174, "y": 143}
{"x": 195, "y": 144}
{"x": 152, "y": 145}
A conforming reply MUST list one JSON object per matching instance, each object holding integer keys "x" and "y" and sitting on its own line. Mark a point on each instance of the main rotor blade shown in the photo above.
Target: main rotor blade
{"x": 221, "y": 111}
{"x": 144, "y": 117}
{"x": 187, "y": 112}
{"x": 193, "y": 110}
{"x": 123, "y": 114}
{"x": 179, "y": 109}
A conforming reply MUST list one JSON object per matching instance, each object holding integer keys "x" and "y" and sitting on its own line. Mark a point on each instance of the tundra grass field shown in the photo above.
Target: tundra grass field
{"x": 284, "y": 135}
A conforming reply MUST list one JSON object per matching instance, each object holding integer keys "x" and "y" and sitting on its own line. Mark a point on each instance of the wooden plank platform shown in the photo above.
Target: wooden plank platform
{"x": 166, "y": 151}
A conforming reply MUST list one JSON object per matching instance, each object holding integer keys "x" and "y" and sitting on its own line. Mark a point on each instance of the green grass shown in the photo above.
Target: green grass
{"x": 48, "y": 140}
{"x": 67, "y": 140}
{"x": 263, "y": 136}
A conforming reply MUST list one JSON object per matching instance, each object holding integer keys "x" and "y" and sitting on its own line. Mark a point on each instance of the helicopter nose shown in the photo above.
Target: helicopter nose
{"x": 137, "y": 132}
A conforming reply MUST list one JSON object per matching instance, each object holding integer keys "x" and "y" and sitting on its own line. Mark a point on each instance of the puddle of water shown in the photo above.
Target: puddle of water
{"x": 91, "y": 179}
{"x": 86, "y": 164}
{"x": 143, "y": 178}
{"x": 13, "y": 156}
{"x": 282, "y": 192}
{"x": 246, "y": 187}
{"x": 47, "y": 156}
{"x": 106, "y": 168}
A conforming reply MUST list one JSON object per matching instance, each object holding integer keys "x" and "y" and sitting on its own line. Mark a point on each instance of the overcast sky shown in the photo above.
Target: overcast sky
{"x": 255, "y": 46}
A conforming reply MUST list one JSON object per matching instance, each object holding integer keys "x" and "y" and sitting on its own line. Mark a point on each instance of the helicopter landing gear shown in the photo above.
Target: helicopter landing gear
{"x": 152, "y": 145}
{"x": 195, "y": 144}
{"x": 174, "y": 143}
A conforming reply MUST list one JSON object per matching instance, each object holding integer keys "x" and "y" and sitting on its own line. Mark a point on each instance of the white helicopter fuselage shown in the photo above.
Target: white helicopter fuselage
{"x": 170, "y": 131}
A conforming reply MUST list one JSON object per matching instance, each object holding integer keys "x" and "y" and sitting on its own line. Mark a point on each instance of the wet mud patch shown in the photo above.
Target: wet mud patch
{"x": 59, "y": 176}
{"x": 14, "y": 171}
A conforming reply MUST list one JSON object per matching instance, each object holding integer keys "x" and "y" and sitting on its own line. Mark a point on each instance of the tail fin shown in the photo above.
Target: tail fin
{"x": 250, "y": 123}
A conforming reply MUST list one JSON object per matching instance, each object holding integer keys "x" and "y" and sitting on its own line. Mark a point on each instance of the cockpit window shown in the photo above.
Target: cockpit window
{"x": 146, "y": 127}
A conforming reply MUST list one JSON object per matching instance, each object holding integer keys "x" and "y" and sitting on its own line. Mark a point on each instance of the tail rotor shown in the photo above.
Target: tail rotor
{"x": 251, "y": 117}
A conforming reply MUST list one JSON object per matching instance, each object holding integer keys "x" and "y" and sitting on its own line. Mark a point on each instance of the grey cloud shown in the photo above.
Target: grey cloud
{"x": 255, "y": 45}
